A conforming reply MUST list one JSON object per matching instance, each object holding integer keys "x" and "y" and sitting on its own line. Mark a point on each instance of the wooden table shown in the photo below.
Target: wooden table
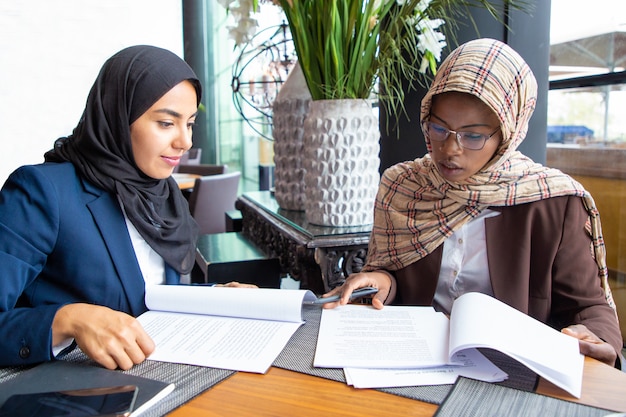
{"x": 185, "y": 181}
{"x": 286, "y": 393}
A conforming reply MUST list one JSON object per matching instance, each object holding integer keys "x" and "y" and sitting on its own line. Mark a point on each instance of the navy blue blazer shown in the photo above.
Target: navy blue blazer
{"x": 62, "y": 240}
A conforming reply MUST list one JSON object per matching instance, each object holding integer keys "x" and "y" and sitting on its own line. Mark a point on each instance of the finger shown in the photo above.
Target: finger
{"x": 601, "y": 351}
{"x": 100, "y": 356}
{"x": 136, "y": 354}
{"x": 146, "y": 344}
{"x": 122, "y": 359}
{"x": 581, "y": 332}
{"x": 331, "y": 305}
{"x": 113, "y": 355}
{"x": 331, "y": 292}
{"x": 378, "y": 300}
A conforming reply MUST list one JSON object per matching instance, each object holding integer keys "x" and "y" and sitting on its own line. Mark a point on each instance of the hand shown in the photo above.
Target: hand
{"x": 376, "y": 279}
{"x": 111, "y": 338}
{"x": 235, "y": 284}
{"x": 591, "y": 345}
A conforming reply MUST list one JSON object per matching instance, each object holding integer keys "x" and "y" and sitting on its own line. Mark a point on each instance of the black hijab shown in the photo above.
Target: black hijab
{"x": 128, "y": 84}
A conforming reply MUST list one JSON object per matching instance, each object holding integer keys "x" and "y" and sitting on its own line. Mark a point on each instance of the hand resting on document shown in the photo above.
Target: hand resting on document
{"x": 377, "y": 279}
{"x": 591, "y": 345}
{"x": 112, "y": 338}
{"x": 109, "y": 337}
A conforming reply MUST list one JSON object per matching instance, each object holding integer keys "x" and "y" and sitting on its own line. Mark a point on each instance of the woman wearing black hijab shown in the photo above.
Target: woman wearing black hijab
{"x": 83, "y": 233}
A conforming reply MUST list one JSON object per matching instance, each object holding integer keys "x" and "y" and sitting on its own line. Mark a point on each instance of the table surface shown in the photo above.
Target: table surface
{"x": 297, "y": 220}
{"x": 185, "y": 181}
{"x": 281, "y": 392}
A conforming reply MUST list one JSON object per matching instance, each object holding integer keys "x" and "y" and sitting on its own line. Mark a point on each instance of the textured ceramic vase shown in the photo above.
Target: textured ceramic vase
{"x": 288, "y": 113}
{"x": 341, "y": 148}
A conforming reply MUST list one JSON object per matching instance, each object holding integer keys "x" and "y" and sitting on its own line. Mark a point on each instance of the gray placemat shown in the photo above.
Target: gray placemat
{"x": 471, "y": 398}
{"x": 190, "y": 380}
{"x": 299, "y": 353}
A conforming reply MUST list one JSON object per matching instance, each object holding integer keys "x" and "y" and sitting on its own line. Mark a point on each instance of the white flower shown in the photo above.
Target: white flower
{"x": 423, "y": 5}
{"x": 246, "y": 26}
{"x": 225, "y": 3}
{"x": 430, "y": 39}
{"x": 244, "y": 31}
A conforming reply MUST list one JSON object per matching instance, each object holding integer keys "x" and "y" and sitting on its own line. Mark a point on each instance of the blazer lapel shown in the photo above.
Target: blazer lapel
{"x": 504, "y": 264}
{"x": 108, "y": 217}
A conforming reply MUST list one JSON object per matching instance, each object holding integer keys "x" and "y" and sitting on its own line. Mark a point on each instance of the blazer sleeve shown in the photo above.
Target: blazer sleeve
{"x": 29, "y": 224}
{"x": 577, "y": 295}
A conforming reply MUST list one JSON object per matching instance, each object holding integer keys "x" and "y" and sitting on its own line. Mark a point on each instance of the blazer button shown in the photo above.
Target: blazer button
{"x": 24, "y": 352}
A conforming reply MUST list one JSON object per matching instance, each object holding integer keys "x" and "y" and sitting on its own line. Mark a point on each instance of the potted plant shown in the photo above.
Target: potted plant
{"x": 351, "y": 53}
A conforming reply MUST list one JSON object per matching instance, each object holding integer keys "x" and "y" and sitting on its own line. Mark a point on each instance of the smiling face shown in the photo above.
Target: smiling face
{"x": 163, "y": 133}
{"x": 466, "y": 113}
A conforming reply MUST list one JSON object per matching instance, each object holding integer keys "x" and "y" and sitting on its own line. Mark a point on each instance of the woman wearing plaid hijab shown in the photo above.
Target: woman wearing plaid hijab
{"x": 474, "y": 214}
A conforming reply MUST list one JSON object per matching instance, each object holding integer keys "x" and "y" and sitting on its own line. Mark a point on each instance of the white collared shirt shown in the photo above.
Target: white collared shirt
{"x": 464, "y": 266}
{"x": 151, "y": 263}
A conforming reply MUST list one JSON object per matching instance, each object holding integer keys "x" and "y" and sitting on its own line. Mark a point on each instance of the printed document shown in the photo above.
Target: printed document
{"x": 398, "y": 337}
{"x": 241, "y": 329}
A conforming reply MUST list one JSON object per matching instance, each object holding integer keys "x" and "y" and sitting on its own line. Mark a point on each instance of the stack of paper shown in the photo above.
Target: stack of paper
{"x": 399, "y": 346}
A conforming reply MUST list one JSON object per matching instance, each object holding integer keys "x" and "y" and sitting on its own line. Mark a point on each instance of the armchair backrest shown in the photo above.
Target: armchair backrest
{"x": 191, "y": 157}
{"x": 202, "y": 169}
{"x": 211, "y": 198}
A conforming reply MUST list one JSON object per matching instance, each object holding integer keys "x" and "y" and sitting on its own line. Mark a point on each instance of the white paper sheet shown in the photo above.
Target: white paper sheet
{"x": 217, "y": 342}
{"x": 474, "y": 365}
{"x": 358, "y": 336}
{"x": 242, "y": 329}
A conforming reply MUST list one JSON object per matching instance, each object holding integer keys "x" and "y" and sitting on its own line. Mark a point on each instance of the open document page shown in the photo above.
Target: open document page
{"x": 410, "y": 338}
{"x": 478, "y": 320}
{"x": 242, "y": 329}
{"x": 359, "y": 336}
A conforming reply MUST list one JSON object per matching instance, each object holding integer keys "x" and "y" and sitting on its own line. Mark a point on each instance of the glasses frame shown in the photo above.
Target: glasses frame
{"x": 457, "y": 135}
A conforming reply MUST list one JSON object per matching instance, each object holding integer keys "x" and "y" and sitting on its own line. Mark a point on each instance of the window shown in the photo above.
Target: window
{"x": 587, "y": 117}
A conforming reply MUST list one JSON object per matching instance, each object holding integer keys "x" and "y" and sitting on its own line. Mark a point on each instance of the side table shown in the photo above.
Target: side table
{"x": 229, "y": 256}
{"x": 317, "y": 256}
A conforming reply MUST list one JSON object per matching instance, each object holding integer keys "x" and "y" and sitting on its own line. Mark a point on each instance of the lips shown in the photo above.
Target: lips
{"x": 171, "y": 160}
{"x": 449, "y": 169}
{"x": 449, "y": 165}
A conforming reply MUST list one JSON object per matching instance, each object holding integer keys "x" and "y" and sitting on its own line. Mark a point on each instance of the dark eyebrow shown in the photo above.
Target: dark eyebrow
{"x": 173, "y": 113}
{"x": 462, "y": 127}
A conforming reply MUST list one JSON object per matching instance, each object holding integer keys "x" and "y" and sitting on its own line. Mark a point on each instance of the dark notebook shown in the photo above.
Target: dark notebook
{"x": 471, "y": 398}
{"x": 65, "y": 376}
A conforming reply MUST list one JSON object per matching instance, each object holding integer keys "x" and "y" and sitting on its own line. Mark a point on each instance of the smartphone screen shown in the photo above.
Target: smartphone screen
{"x": 109, "y": 401}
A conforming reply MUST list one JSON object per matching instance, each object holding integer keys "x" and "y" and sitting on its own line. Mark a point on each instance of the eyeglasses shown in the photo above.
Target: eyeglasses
{"x": 466, "y": 140}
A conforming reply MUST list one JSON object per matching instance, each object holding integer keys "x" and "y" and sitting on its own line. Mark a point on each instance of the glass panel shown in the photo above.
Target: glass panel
{"x": 585, "y": 39}
{"x": 586, "y": 124}
{"x": 592, "y": 116}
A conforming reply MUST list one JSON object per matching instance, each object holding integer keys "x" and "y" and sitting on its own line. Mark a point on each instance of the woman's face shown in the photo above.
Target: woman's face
{"x": 462, "y": 112}
{"x": 163, "y": 133}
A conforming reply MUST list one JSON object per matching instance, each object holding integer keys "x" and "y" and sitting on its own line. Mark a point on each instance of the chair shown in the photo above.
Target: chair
{"x": 191, "y": 157}
{"x": 202, "y": 169}
{"x": 211, "y": 198}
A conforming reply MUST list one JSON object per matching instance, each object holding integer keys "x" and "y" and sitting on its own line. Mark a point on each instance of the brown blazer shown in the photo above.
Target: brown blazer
{"x": 540, "y": 263}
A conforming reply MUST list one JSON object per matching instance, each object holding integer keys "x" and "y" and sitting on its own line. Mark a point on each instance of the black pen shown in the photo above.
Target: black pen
{"x": 361, "y": 292}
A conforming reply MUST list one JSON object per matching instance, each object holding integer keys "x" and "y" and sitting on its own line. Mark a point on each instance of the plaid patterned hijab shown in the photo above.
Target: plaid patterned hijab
{"x": 416, "y": 209}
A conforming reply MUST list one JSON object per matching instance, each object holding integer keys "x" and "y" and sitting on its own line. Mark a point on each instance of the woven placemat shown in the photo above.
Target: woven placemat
{"x": 299, "y": 353}
{"x": 190, "y": 380}
{"x": 471, "y": 398}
